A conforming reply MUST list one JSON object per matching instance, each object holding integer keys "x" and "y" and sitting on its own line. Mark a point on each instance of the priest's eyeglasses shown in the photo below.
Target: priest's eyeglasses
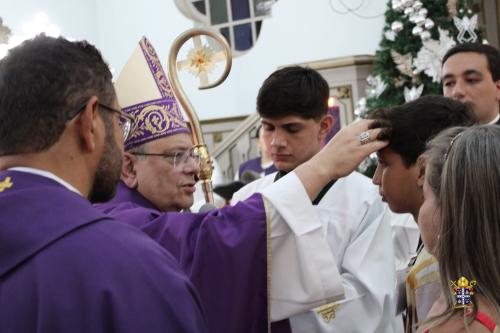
{"x": 126, "y": 121}
{"x": 178, "y": 159}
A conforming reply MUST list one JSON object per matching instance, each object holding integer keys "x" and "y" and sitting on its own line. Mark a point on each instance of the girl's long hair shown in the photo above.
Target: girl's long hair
{"x": 464, "y": 173}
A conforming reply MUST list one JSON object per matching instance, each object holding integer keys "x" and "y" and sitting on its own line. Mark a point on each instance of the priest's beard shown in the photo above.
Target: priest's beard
{"x": 108, "y": 170}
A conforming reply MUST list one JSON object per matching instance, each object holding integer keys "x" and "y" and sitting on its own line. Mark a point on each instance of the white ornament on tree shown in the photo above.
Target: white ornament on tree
{"x": 417, "y": 30}
{"x": 390, "y": 35}
{"x": 376, "y": 86}
{"x": 403, "y": 62}
{"x": 416, "y": 13}
{"x": 397, "y": 5}
{"x": 397, "y": 26}
{"x": 409, "y": 10}
{"x": 429, "y": 57}
{"x": 361, "y": 109}
{"x": 425, "y": 35}
{"x": 407, "y": 3}
{"x": 413, "y": 93}
{"x": 417, "y": 5}
{"x": 419, "y": 20}
{"x": 429, "y": 24}
{"x": 465, "y": 26}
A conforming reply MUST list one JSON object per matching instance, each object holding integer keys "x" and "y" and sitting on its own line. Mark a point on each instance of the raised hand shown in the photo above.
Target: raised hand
{"x": 342, "y": 155}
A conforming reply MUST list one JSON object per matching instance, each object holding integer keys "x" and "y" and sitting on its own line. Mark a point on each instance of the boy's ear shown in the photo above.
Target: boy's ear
{"x": 421, "y": 164}
{"x": 325, "y": 125}
{"x": 129, "y": 172}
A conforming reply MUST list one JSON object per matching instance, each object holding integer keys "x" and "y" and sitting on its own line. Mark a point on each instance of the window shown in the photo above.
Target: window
{"x": 239, "y": 21}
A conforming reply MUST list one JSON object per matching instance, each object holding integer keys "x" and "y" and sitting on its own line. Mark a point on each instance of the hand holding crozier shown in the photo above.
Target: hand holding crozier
{"x": 345, "y": 151}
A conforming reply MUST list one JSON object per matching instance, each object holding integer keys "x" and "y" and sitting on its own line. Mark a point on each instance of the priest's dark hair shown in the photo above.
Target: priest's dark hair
{"x": 294, "y": 90}
{"x": 42, "y": 82}
{"x": 491, "y": 53}
{"x": 415, "y": 123}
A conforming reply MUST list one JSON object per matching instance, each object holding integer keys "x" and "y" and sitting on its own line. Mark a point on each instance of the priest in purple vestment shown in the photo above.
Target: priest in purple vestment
{"x": 64, "y": 266}
{"x": 224, "y": 252}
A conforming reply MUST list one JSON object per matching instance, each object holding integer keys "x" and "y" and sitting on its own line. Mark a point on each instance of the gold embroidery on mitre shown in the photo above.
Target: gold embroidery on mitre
{"x": 6, "y": 183}
{"x": 156, "y": 68}
{"x": 155, "y": 119}
{"x": 327, "y": 311}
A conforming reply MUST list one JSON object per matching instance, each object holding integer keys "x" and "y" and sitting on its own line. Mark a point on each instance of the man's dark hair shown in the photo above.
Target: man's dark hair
{"x": 491, "y": 54}
{"x": 414, "y": 123}
{"x": 298, "y": 91}
{"x": 42, "y": 81}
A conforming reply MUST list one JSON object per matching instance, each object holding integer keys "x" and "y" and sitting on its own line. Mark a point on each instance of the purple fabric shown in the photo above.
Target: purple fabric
{"x": 223, "y": 252}
{"x": 65, "y": 267}
{"x": 254, "y": 165}
{"x": 282, "y": 326}
{"x": 334, "y": 111}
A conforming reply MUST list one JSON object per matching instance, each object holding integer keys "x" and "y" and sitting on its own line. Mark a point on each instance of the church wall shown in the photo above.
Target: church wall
{"x": 299, "y": 31}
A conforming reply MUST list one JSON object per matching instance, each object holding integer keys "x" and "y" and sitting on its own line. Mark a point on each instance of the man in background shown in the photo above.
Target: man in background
{"x": 471, "y": 73}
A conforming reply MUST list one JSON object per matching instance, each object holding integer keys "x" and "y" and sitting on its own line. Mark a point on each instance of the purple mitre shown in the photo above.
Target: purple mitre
{"x": 144, "y": 92}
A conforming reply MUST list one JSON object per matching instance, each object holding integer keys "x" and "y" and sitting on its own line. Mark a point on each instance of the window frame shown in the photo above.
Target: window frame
{"x": 189, "y": 10}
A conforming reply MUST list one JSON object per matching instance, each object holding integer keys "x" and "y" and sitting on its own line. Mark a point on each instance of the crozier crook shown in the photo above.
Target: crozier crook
{"x": 200, "y": 61}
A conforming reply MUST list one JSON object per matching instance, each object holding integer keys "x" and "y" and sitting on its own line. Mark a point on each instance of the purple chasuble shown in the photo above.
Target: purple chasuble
{"x": 223, "y": 252}
{"x": 65, "y": 267}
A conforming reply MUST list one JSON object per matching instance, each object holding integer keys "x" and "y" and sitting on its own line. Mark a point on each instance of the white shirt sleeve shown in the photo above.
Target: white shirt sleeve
{"x": 359, "y": 235}
{"x": 304, "y": 271}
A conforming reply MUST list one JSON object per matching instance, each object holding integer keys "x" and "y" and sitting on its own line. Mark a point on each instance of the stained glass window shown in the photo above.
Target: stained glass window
{"x": 239, "y": 21}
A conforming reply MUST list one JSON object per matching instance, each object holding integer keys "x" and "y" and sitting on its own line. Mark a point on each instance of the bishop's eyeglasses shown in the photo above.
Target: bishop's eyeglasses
{"x": 177, "y": 159}
{"x": 126, "y": 121}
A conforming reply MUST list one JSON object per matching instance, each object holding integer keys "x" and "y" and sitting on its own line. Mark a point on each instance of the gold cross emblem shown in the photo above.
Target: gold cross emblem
{"x": 327, "y": 311}
{"x": 6, "y": 183}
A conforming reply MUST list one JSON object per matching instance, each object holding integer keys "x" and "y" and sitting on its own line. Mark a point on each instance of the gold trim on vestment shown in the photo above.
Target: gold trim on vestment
{"x": 6, "y": 183}
{"x": 417, "y": 268}
{"x": 413, "y": 283}
{"x": 428, "y": 278}
{"x": 328, "y": 311}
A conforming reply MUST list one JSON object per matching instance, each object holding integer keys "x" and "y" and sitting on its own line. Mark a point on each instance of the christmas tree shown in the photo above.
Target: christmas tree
{"x": 416, "y": 36}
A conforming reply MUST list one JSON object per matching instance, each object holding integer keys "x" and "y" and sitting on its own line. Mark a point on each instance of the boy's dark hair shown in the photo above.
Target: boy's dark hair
{"x": 414, "y": 123}
{"x": 295, "y": 90}
{"x": 491, "y": 54}
{"x": 42, "y": 82}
